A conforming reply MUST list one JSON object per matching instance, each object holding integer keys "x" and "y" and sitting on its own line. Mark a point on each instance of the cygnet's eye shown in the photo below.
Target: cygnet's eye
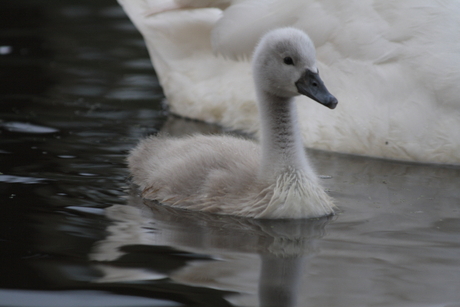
{"x": 288, "y": 61}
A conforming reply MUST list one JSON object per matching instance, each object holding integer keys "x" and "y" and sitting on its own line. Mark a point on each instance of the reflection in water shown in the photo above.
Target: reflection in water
{"x": 226, "y": 253}
{"x": 279, "y": 280}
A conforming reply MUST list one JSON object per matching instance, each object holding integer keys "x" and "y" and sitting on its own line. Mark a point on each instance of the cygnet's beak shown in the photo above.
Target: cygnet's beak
{"x": 311, "y": 85}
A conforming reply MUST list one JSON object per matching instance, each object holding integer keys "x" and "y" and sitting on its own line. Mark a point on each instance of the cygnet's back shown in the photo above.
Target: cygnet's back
{"x": 228, "y": 175}
{"x": 194, "y": 168}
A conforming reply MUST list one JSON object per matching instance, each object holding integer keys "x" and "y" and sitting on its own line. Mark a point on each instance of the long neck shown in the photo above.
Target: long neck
{"x": 281, "y": 143}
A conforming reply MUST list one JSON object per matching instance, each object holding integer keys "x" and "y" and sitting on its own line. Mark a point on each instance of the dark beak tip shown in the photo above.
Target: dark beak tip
{"x": 332, "y": 103}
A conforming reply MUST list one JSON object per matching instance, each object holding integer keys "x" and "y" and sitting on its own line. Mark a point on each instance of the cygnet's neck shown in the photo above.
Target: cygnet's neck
{"x": 281, "y": 143}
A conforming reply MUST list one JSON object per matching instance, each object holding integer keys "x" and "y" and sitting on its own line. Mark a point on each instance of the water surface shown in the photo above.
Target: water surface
{"x": 77, "y": 92}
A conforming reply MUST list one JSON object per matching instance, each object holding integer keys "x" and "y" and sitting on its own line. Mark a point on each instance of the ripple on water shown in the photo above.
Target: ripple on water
{"x": 21, "y": 127}
{"x": 20, "y": 179}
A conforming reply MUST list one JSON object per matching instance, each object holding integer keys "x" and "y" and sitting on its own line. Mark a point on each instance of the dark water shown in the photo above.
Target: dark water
{"x": 77, "y": 91}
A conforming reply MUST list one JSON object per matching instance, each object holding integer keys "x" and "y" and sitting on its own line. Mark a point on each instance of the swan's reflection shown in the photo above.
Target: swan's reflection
{"x": 235, "y": 255}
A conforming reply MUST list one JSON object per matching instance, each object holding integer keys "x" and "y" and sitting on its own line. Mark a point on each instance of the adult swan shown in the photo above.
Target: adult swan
{"x": 394, "y": 64}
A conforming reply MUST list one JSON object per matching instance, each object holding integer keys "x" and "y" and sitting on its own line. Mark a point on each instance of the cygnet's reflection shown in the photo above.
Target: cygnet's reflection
{"x": 235, "y": 255}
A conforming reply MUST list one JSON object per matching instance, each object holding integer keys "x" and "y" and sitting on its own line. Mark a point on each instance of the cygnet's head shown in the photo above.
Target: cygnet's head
{"x": 284, "y": 65}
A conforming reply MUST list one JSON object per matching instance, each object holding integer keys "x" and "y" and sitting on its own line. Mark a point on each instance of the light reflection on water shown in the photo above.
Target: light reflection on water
{"x": 78, "y": 91}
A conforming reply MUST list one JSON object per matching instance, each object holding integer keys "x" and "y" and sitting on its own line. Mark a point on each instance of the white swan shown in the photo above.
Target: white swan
{"x": 228, "y": 175}
{"x": 393, "y": 63}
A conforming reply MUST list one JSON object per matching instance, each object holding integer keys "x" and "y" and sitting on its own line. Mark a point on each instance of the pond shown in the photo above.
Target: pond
{"x": 77, "y": 92}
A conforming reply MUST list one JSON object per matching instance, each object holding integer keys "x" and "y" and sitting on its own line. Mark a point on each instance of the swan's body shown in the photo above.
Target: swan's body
{"x": 227, "y": 175}
{"x": 393, "y": 63}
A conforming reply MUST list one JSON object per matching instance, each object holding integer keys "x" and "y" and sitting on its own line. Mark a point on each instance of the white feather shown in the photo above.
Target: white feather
{"x": 392, "y": 64}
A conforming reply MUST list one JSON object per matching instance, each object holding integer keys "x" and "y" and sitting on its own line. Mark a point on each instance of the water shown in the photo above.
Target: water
{"x": 77, "y": 91}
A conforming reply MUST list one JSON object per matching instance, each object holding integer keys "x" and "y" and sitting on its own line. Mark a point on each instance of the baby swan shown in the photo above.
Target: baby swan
{"x": 228, "y": 175}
